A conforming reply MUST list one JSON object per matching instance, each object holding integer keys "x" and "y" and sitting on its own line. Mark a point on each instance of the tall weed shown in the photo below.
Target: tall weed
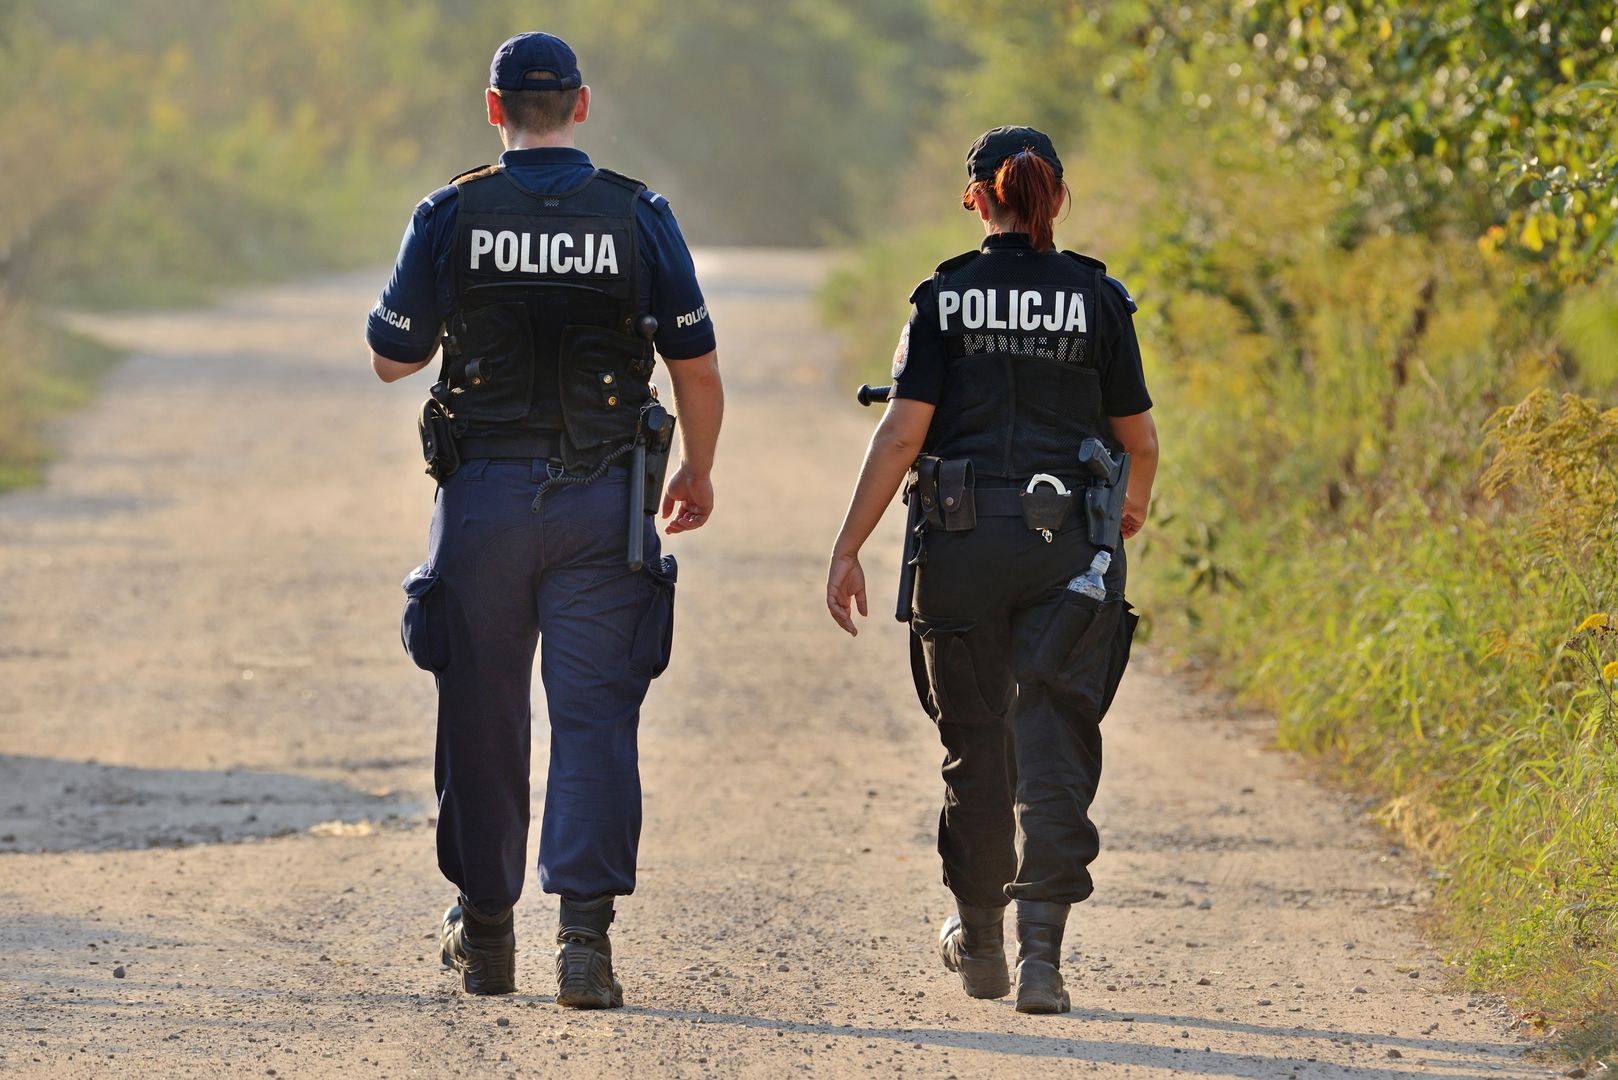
{"x": 1385, "y": 512}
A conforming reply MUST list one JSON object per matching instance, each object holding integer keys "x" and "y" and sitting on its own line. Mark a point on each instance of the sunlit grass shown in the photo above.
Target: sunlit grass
{"x": 51, "y": 372}
{"x": 1422, "y": 597}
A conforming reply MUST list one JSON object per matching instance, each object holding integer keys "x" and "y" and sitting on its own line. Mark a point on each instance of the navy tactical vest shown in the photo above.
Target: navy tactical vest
{"x": 1021, "y": 388}
{"x": 546, "y": 291}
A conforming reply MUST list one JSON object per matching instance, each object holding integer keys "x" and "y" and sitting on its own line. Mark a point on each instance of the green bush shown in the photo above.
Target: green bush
{"x": 1372, "y": 244}
{"x": 158, "y": 150}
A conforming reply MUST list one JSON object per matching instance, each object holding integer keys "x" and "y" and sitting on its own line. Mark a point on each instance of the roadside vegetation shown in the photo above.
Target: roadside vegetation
{"x": 155, "y": 151}
{"x": 1372, "y": 242}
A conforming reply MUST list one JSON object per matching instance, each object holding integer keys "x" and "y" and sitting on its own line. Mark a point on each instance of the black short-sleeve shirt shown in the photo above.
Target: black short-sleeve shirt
{"x": 919, "y": 362}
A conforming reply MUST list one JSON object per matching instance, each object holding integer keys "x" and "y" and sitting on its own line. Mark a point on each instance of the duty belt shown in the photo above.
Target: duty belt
{"x": 530, "y": 444}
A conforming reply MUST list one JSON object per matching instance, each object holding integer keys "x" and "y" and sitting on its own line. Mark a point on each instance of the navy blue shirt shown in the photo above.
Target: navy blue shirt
{"x": 919, "y": 361}
{"x": 419, "y": 298}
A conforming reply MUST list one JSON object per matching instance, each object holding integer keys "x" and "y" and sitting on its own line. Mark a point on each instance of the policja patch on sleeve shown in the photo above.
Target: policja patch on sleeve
{"x": 901, "y": 354}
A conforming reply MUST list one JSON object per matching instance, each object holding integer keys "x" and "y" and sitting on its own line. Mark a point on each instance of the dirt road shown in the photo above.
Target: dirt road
{"x": 216, "y": 853}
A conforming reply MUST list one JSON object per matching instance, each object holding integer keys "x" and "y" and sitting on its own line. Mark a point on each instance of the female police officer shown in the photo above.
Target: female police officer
{"x": 1019, "y": 363}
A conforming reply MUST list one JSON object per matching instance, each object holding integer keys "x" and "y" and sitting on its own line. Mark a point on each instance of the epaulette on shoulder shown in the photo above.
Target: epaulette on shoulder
{"x": 1094, "y": 264}
{"x": 1097, "y": 264}
{"x": 657, "y": 202}
{"x": 915, "y": 294}
{"x": 436, "y": 198}
{"x": 620, "y": 179}
{"x": 1129, "y": 301}
{"x": 957, "y": 261}
{"x": 474, "y": 174}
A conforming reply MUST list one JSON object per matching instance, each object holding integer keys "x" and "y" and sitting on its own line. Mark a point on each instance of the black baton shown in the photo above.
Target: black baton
{"x": 637, "y": 496}
{"x": 646, "y": 326}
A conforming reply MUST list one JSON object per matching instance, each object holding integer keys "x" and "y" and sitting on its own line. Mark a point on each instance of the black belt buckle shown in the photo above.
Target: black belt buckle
{"x": 1045, "y": 511}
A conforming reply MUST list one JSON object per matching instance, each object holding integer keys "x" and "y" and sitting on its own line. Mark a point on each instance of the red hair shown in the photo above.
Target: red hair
{"x": 1027, "y": 188}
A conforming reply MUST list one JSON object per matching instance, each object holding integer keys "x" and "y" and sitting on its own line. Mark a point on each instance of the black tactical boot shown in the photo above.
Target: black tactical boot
{"x": 973, "y": 942}
{"x": 482, "y": 950}
{"x": 1039, "y": 955}
{"x": 584, "y": 957}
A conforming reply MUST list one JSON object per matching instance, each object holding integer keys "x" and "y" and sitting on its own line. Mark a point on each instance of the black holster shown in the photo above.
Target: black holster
{"x": 657, "y": 432}
{"x": 436, "y": 428}
{"x": 654, "y": 434}
{"x": 1104, "y": 507}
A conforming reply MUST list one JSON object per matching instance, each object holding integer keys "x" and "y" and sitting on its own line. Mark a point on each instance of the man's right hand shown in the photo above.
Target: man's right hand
{"x": 688, "y": 502}
{"x": 699, "y": 399}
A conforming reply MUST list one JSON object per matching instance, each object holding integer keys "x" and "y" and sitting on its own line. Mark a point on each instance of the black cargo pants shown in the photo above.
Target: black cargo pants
{"x": 1017, "y": 671}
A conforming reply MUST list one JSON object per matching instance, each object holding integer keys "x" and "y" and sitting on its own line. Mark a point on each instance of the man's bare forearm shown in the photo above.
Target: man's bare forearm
{"x": 393, "y": 370}
{"x": 699, "y": 402}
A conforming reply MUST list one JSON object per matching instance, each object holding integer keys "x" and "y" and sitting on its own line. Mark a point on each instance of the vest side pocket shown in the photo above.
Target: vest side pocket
{"x": 1057, "y": 397}
{"x": 493, "y": 380}
{"x": 601, "y": 395}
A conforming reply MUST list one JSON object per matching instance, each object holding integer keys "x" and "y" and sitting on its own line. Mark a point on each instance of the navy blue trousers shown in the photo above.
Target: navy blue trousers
{"x": 499, "y": 580}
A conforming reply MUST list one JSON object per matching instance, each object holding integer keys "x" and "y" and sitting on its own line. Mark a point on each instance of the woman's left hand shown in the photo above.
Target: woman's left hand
{"x": 845, "y": 590}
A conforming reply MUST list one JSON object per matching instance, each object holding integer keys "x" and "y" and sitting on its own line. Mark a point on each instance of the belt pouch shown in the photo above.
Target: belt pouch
{"x": 437, "y": 440}
{"x": 955, "y": 495}
{"x": 925, "y": 488}
{"x": 1044, "y": 509}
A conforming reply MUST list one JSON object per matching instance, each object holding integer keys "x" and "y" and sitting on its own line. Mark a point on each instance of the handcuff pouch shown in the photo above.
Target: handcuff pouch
{"x": 1045, "y": 509}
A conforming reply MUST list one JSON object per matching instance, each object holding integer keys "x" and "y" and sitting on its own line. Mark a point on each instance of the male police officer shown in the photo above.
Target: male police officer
{"x": 549, "y": 280}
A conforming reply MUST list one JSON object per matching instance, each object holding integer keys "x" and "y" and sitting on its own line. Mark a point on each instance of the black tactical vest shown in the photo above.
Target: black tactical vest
{"x": 546, "y": 291}
{"x": 1021, "y": 389}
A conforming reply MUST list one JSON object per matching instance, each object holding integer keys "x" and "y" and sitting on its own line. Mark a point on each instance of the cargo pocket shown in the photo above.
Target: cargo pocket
{"x": 493, "y": 379}
{"x": 601, "y": 395}
{"x": 424, "y": 628}
{"x": 953, "y": 678}
{"x": 1078, "y": 654}
{"x": 1122, "y": 639}
{"x": 654, "y": 634}
{"x": 918, "y": 675}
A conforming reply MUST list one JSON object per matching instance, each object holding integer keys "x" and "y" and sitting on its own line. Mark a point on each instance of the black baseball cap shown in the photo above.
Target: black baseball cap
{"x": 535, "y": 52}
{"x": 997, "y": 144}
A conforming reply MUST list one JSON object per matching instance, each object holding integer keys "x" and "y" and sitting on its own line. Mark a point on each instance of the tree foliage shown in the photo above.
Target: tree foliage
{"x": 151, "y": 146}
{"x": 1358, "y": 231}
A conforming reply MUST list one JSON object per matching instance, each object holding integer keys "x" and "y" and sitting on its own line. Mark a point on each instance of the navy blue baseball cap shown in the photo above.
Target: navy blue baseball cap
{"x": 535, "y": 52}
{"x": 997, "y": 144}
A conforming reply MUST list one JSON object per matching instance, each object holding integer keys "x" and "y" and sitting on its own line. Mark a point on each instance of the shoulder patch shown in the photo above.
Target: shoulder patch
{"x": 1094, "y": 264}
{"x": 1129, "y": 301}
{"x": 654, "y": 200}
{"x": 958, "y": 261}
{"x": 901, "y": 353}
